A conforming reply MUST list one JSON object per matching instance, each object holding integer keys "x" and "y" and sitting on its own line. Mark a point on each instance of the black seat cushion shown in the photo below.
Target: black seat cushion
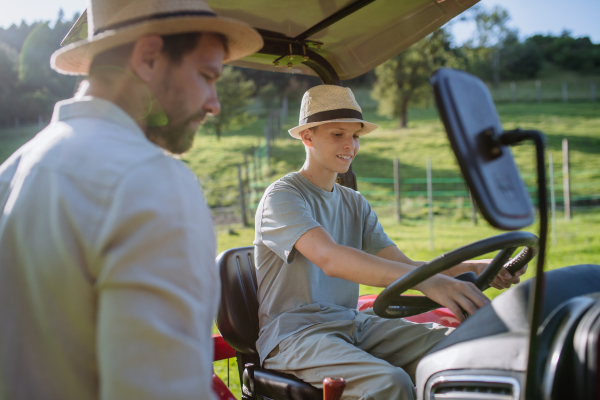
{"x": 509, "y": 311}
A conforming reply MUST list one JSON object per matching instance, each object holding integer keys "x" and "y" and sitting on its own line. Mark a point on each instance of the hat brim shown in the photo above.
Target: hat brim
{"x": 367, "y": 128}
{"x": 75, "y": 59}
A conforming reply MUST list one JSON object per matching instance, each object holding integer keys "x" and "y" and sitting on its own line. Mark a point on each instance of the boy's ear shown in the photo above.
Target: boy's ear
{"x": 306, "y": 136}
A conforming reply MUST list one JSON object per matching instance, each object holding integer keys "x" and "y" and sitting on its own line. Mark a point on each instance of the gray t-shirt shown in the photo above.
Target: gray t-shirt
{"x": 294, "y": 293}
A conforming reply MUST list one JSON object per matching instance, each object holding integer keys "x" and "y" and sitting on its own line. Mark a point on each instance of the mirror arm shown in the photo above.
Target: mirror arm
{"x": 536, "y": 296}
{"x": 514, "y": 136}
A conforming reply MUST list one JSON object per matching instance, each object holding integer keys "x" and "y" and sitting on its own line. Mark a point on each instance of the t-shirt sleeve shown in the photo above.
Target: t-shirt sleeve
{"x": 374, "y": 237}
{"x": 285, "y": 218}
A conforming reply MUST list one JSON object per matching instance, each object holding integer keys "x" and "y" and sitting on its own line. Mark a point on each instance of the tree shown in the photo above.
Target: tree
{"x": 492, "y": 27}
{"x": 492, "y": 35}
{"x": 234, "y": 93}
{"x": 9, "y": 60}
{"x": 28, "y": 87}
{"x": 575, "y": 54}
{"x": 269, "y": 97}
{"x": 404, "y": 79}
{"x": 520, "y": 60}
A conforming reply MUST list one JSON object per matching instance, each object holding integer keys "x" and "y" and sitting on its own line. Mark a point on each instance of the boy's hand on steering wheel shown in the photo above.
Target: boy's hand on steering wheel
{"x": 453, "y": 294}
{"x": 504, "y": 280}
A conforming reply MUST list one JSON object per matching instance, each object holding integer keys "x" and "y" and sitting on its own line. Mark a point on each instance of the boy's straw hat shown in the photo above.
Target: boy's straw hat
{"x": 329, "y": 103}
{"x": 112, "y": 23}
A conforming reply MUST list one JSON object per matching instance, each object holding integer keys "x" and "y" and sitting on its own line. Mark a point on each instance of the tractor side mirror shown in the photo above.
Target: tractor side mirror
{"x": 473, "y": 127}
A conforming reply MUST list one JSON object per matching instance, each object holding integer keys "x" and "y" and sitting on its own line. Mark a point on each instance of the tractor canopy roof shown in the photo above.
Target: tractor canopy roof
{"x": 333, "y": 39}
{"x": 355, "y": 36}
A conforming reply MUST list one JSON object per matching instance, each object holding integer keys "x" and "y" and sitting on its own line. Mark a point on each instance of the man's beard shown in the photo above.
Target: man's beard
{"x": 173, "y": 134}
{"x": 175, "y": 138}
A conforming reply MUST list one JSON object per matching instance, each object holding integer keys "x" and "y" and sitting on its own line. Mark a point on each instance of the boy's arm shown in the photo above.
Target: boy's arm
{"x": 357, "y": 266}
{"x": 502, "y": 281}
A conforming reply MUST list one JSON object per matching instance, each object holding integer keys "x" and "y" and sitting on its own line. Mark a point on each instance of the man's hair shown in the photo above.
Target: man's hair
{"x": 174, "y": 46}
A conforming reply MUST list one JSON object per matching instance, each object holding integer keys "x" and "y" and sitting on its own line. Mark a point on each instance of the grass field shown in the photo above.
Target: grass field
{"x": 578, "y": 240}
{"x": 215, "y": 161}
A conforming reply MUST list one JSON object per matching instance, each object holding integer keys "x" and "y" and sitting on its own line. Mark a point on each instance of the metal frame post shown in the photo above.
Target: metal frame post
{"x": 552, "y": 198}
{"x": 430, "y": 203}
{"x": 566, "y": 180}
{"x": 397, "y": 188}
{"x": 242, "y": 197}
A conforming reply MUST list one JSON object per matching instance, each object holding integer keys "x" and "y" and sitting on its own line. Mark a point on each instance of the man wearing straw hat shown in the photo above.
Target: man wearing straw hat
{"x": 315, "y": 242}
{"x": 108, "y": 286}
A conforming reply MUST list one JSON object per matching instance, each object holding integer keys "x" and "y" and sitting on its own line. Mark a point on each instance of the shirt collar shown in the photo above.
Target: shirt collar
{"x": 93, "y": 107}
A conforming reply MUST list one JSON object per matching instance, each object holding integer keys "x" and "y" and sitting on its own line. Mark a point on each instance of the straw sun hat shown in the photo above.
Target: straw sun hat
{"x": 329, "y": 103}
{"x": 112, "y": 23}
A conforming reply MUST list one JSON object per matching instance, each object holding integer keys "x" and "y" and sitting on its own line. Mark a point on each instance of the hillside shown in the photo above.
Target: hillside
{"x": 215, "y": 162}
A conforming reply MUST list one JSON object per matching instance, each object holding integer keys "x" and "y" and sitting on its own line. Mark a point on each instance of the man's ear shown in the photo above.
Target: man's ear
{"x": 146, "y": 52}
{"x": 307, "y": 137}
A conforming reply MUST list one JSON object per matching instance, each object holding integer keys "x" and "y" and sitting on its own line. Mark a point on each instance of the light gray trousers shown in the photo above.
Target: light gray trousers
{"x": 377, "y": 357}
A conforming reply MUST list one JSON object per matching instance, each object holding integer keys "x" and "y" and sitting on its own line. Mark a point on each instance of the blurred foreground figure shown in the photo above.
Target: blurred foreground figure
{"x": 108, "y": 286}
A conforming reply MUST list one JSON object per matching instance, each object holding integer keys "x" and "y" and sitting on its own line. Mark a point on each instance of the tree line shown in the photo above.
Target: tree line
{"x": 494, "y": 53}
{"x": 29, "y": 88}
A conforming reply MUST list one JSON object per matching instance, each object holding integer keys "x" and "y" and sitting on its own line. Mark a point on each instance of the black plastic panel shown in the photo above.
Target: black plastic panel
{"x": 469, "y": 115}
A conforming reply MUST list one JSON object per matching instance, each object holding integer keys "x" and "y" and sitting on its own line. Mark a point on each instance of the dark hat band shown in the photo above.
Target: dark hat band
{"x": 155, "y": 16}
{"x": 332, "y": 114}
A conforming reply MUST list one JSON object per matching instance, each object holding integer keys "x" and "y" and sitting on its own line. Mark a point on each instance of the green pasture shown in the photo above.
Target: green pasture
{"x": 12, "y": 139}
{"x": 578, "y": 240}
{"x": 215, "y": 162}
{"x": 551, "y": 80}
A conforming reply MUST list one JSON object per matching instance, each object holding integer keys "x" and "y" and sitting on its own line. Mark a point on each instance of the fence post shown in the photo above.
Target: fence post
{"x": 496, "y": 68}
{"x": 268, "y": 159}
{"x": 40, "y": 121}
{"x": 254, "y": 178}
{"x": 284, "y": 108}
{"x": 459, "y": 206}
{"x": 592, "y": 92}
{"x": 257, "y": 157}
{"x": 565, "y": 93}
{"x": 473, "y": 209}
{"x": 246, "y": 177}
{"x": 246, "y": 169}
{"x": 566, "y": 183}
{"x": 397, "y": 183}
{"x": 278, "y": 123}
{"x": 242, "y": 199}
{"x": 513, "y": 90}
{"x": 552, "y": 198}
{"x": 430, "y": 201}
{"x": 538, "y": 90}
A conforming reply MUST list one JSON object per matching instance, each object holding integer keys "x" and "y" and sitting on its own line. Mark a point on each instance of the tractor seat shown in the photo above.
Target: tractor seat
{"x": 237, "y": 321}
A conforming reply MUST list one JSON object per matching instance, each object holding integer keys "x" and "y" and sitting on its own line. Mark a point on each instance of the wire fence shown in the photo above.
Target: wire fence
{"x": 407, "y": 197}
{"x": 581, "y": 90}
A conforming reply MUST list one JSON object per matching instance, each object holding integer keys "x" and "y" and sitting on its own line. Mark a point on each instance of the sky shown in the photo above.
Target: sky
{"x": 581, "y": 17}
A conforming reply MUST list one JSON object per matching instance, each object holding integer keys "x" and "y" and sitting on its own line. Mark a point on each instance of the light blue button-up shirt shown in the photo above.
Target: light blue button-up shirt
{"x": 108, "y": 285}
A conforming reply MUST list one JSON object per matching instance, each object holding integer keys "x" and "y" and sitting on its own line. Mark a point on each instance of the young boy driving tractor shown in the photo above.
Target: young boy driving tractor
{"x": 315, "y": 242}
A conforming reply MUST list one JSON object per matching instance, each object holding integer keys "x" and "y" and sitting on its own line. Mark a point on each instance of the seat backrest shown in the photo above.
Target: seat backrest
{"x": 237, "y": 318}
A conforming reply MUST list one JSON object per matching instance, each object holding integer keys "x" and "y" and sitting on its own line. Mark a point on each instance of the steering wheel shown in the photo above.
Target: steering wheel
{"x": 390, "y": 303}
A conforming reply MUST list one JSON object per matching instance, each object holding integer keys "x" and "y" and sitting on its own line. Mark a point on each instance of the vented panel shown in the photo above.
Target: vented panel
{"x": 473, "y": 387}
